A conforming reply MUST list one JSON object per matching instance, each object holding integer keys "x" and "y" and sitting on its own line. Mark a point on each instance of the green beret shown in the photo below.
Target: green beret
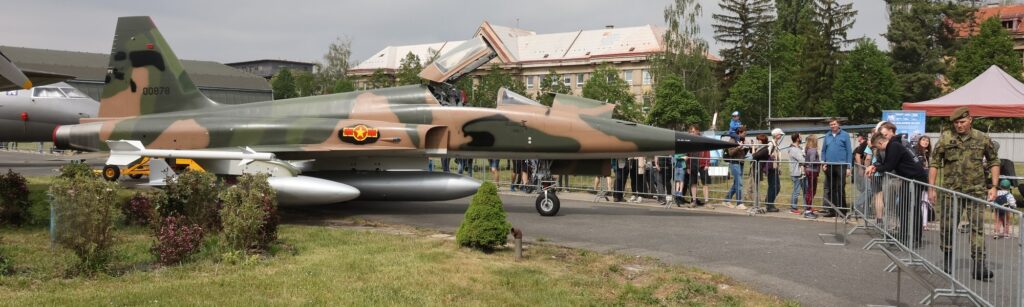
{"x": 959, "y": 113}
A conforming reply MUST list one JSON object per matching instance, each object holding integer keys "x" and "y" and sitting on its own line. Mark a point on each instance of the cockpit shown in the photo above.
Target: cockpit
{"x": 58, "y": 92}
{"x": 453, "y": 65}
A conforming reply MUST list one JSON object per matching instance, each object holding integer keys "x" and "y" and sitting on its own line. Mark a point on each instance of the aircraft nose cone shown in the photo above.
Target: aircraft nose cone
{"x": 686, "y": 142}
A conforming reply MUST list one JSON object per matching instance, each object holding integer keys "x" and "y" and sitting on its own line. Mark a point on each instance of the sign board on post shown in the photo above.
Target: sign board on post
{"x": 909, "y": 122}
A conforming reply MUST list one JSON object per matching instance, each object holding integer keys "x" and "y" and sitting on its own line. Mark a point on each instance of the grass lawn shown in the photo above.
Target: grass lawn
{"x": 332, "y": 266}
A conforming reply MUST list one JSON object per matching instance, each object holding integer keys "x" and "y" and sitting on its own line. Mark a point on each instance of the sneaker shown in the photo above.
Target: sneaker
{"x": 795, "y": 211}
{"x": 810, "y": 215}
{"x": 741, "y": 207}
{"x": 772, "y": 209}
{"x": 632, "y": 198}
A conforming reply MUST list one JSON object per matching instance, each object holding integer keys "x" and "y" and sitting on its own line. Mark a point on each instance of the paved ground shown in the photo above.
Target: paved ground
{"x": 782, "y": 256}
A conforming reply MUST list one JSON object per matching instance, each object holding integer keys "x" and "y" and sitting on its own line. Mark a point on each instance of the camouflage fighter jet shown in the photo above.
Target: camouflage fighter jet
{"x": 368, "y": 145}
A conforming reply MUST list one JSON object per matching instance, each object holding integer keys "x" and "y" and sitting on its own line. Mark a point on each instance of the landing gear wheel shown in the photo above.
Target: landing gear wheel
{"x": 135, "y": 176}
{"x": 547, "y": 203}
{"x": 111, "y": 173}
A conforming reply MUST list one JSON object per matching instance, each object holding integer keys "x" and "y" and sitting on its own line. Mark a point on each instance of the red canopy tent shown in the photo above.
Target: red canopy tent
{"x": 994, "y": 93}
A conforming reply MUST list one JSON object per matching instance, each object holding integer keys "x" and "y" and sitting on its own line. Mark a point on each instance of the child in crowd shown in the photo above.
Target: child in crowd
{"x": 1004, "y": 197}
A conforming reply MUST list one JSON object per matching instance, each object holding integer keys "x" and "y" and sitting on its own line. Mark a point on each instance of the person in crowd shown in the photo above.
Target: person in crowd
{"x": 621, "y": 167}
{"x": 923, "y": 150}
{"x": 759, "y": 153}
{"x": 771, "y": 169}
{"x": 860, "y": 162}
{"x": 445, "y": 163}
{"x": 796, "y": 172}
{"x": 635, "y": 178}
{"x": 735, "y": 156}
{"x": 962, "y": 156}
{"x": 837, "y": 151}
{"x": 900, "y": 161}
{"x": 1004, "y": 197}
{"x": 698, "y": 171}
{"x": 598, "y": 190}
{"x": 734, "y": 126}
{"x": 654, "y": 182}
{"x": 517, "y": 173}
{"x": 494, "y": 168}
{"x": 678, "y": 177}
{"x": 812, "y": 167}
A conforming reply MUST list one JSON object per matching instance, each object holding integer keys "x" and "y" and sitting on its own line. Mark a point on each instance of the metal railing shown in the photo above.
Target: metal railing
{"x": 954, "y": 238}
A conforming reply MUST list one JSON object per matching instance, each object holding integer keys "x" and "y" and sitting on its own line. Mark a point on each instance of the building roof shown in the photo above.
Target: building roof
{"x": 1010, "y": 12}
{"x": 524, "y": 47}
{"x": 93, "y": 67}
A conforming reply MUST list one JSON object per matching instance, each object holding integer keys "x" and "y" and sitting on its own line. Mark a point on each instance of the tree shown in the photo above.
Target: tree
{"x": 920, "y": 35}
{"x": 750, "y": 93}
{"x": 551, "y": 84}
{"x": 865, "y": 85}
{"x": 486, "y": 93}
{"x": 409, "y": 70}
{"x": 823, "y": 51}
{"x": 991, "y": 46}
{"x": 380, "y": 79}
{"x": 686, "y": 54}
{"x": 283, "y": 85}
{"x": 606, "y": 85}
{"x": 484, "y": 226}
{"x": 745, "y": 26}
{"x": 306, "y": 85}
{"x": 343, "y": 86}
{"x": 336, "y": 60}
{"x": 675, "y": 107}
{"x": 795, "y": 17}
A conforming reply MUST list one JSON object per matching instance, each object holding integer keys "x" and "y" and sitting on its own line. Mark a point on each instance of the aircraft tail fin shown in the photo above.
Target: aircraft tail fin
{"x": 144, "y": 76}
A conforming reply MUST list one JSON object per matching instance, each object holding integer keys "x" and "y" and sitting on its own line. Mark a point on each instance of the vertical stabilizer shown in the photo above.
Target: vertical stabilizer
{"x": 144, "y": 76}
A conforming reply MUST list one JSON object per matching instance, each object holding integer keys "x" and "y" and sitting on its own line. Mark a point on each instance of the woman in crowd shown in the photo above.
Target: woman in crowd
{"x": 811, "y": 168}
{"x": 923, "y": 149}
{"x": 796, "y": 173}
{"x": 900, "y": 161}
{"x": 735, "y": 157}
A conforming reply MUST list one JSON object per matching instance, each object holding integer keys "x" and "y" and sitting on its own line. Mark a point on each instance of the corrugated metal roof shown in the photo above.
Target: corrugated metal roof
{"x": 93, "y": 67}
{"x": 520, "y": 45}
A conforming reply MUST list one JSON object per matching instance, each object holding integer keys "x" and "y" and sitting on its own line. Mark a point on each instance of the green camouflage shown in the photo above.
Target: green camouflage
{"x": 962, "y": 161}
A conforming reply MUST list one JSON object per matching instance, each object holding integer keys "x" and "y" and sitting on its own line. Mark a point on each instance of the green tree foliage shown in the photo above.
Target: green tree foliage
{"x": 823, "y": 51}
{"x": 86, "y": 209}
{"x": 306, "y": 85}
{"x": 14, "y": 200}
{"x": 865, "y": 85}
{"x": 283, "y": 84}
{"x": 249, "y": 214}
{"x": 76, "y": 170}
{"x": 484, "y": 226}
{"x": 606, "y": 85}
{"x": 795, "y": 17}
{"x": 686, "y": 54}
{"x": 193, "y": 195}
{"x": 343, "y": 86}
{"x": 920, "y": 35}
{"x": 486, "y": 92}
{"x": 551, "y": 84}
{"x": 675, "y": 107}
{"x": 991, "y": 46}
{"x": 749, "y": 94}
{"x": 335, "y": 66}
{"x": 409, "y": 70}
{"x": 744, "y": 26}
{"x": 380, "y": 79}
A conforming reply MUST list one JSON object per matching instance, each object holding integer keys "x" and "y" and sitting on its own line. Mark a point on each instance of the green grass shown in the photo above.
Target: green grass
{"x": 330, "y": 266}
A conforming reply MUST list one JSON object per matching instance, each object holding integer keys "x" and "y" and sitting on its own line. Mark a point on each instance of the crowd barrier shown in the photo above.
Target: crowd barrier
{"x": 952, "y": 237}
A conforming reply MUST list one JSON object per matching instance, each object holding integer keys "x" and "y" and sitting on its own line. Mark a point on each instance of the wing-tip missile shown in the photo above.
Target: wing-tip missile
{"x": 124, "y": 152}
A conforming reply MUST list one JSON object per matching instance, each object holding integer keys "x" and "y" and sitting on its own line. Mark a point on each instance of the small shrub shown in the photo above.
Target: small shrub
{"x": 194, "y": 196}
{"x": 176, "y": 240}
{"x": 249, "y": 214}
{"x": 76, "y": 170}
{"x": 6, "y": 266}
{"x": 39, "y": 206}
{"x": 13, "y": 199}
{"x": 140, "y": 208}
{"x": 86, "y": 209}
{"x": 484, "y": 227}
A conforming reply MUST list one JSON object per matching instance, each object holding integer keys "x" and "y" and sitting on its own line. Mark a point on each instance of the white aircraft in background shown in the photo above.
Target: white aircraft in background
{"x": 31, "y": 115}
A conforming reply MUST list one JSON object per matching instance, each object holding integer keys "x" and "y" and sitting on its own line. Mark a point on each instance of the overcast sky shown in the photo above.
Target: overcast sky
{"x": 224, "y": 31}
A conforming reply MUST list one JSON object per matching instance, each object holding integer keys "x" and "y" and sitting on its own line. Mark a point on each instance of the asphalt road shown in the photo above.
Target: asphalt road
{"x": 781, "y": 256}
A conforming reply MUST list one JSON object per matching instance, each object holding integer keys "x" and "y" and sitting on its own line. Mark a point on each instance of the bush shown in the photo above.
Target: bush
{"x": 76, "y": 170}
{"x": 140, "y": 208}
{"x": 176, "y": 240}
{"x": 6, "y": 266}
{"x": 13, "y": 199}
{"x": 249, "y": 214}
{"x": 484, "y": 227}
{"x": 194, "y": 196}
{"x": 86, "y": 209}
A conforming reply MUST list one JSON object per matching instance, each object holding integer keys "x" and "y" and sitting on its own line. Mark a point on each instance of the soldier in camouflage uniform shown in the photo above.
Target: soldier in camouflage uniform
{"x": 962, "y": 156}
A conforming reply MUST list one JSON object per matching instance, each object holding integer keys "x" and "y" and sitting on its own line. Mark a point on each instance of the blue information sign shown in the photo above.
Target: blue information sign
{"x": 910, "y": 122}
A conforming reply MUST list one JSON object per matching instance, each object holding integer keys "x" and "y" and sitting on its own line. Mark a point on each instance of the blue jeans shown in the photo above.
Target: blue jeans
{"x": 736, "y": 170}
{"x": 773, "y": 187}
{"x": 799, "y": 184}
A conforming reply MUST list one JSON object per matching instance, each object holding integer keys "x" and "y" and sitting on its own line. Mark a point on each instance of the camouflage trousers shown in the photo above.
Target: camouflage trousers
{"x": 971, "y": 212}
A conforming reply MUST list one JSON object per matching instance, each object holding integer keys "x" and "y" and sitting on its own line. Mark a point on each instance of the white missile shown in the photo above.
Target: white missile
{"x": 124, "y": 152}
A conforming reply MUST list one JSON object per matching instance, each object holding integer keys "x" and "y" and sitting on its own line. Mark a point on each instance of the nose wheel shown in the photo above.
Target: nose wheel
{"x": 547, "y": 203}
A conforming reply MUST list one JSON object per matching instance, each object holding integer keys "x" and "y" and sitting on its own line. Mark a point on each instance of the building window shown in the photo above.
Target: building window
{"x": 567, "y": 79}
{"x": 529, "y": 82}
{"x": 628, "y": 76}
{"x": 1008, "y": 24}
{"x": 579, "y": 80}
{"x": 647, "y": 76}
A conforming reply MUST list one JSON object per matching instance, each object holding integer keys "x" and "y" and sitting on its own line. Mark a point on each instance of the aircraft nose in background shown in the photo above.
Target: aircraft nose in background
{"x": 686, "y": 142}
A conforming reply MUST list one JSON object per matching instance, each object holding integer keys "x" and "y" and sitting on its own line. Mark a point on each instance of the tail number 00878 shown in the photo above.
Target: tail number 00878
{"x": 156, "y": 90}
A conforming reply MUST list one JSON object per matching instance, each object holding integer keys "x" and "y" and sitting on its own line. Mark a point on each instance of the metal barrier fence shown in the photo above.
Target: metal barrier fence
{"x": 955, "y": 238}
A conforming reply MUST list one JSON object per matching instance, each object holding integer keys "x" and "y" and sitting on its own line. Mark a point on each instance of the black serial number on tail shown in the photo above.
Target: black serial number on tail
{"x": 156, "y": 90}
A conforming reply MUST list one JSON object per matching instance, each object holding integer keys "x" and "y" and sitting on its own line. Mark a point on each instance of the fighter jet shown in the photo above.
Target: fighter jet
{"x": 13, "y": 78}
{"x": 367, "y": 145}
{"x": 30, "y": 115}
